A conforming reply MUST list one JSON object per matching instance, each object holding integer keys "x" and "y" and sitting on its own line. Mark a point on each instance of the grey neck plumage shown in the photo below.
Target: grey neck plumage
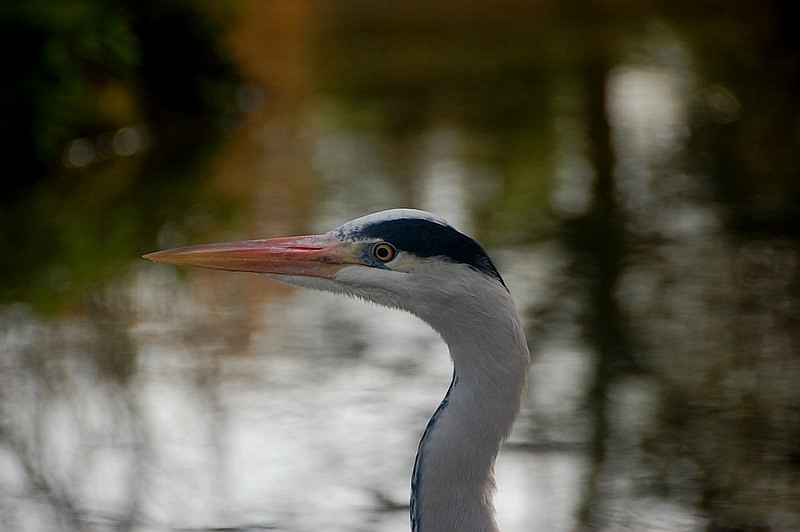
{"x": 453, "y": 479}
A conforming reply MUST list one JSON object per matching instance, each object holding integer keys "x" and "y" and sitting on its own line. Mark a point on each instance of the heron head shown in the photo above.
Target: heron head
{"x": 402, "y": 258}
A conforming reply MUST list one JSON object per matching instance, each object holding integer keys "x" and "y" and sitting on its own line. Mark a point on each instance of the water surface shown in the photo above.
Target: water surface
{"x": 633, "y": 173}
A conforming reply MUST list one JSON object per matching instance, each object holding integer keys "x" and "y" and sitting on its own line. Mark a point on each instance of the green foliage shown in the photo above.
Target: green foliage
{"x": 84, "y": 66}
{"x": 85, "y": 69}
{"x": 58, "y": 55}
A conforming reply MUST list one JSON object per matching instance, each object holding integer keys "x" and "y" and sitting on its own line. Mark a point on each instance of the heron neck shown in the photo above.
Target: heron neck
{"x": 453, "y": 478}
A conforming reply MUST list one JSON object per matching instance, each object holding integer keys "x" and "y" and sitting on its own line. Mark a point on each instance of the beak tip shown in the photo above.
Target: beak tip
{"x": 155, "y": 256}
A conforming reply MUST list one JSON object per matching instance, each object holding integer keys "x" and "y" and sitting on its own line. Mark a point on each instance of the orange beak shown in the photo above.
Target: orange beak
{"x": 308, "y": 256}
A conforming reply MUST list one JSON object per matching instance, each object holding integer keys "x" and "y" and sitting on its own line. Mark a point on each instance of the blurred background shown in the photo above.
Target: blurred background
{"x": 632, "y": 167}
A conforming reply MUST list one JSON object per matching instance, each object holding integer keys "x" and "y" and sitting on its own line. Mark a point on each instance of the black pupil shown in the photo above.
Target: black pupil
{"x": 383, "y": 252}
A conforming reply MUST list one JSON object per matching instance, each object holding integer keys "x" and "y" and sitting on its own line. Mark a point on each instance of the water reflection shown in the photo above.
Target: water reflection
{"x": 232, "y": 414}
{"x": 650, "y": 247}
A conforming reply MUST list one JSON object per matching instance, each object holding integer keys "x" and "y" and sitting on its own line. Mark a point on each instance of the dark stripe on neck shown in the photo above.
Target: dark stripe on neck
{"x": 417, "y": 472}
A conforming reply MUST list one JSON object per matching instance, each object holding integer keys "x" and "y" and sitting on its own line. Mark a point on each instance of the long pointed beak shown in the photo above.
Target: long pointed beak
{"x": 308, "y": 256}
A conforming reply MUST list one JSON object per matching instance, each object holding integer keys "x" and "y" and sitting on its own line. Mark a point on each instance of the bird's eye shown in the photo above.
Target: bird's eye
{"x": 384, "y": 252}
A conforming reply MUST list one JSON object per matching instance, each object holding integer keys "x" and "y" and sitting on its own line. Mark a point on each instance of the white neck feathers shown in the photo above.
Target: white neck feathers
{"x": 453, "y": 479}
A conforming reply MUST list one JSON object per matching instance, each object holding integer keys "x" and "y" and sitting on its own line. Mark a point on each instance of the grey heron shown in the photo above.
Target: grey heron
{"x": 415, "y": 261}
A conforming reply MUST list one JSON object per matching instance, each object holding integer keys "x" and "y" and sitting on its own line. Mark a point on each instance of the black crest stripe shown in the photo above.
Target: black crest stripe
{"x": 426, "y": 238}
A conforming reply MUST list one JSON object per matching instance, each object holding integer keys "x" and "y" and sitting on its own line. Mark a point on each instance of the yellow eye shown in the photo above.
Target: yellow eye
{"x": 384, "y": 252}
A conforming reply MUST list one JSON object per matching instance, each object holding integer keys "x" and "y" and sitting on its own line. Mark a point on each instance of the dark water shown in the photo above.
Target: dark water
{"x": 632, "y": 168}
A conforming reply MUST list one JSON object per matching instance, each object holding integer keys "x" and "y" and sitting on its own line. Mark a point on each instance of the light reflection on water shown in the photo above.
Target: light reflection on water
{"x": 307, "y": 420}
{"x": 663, "y": 396}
